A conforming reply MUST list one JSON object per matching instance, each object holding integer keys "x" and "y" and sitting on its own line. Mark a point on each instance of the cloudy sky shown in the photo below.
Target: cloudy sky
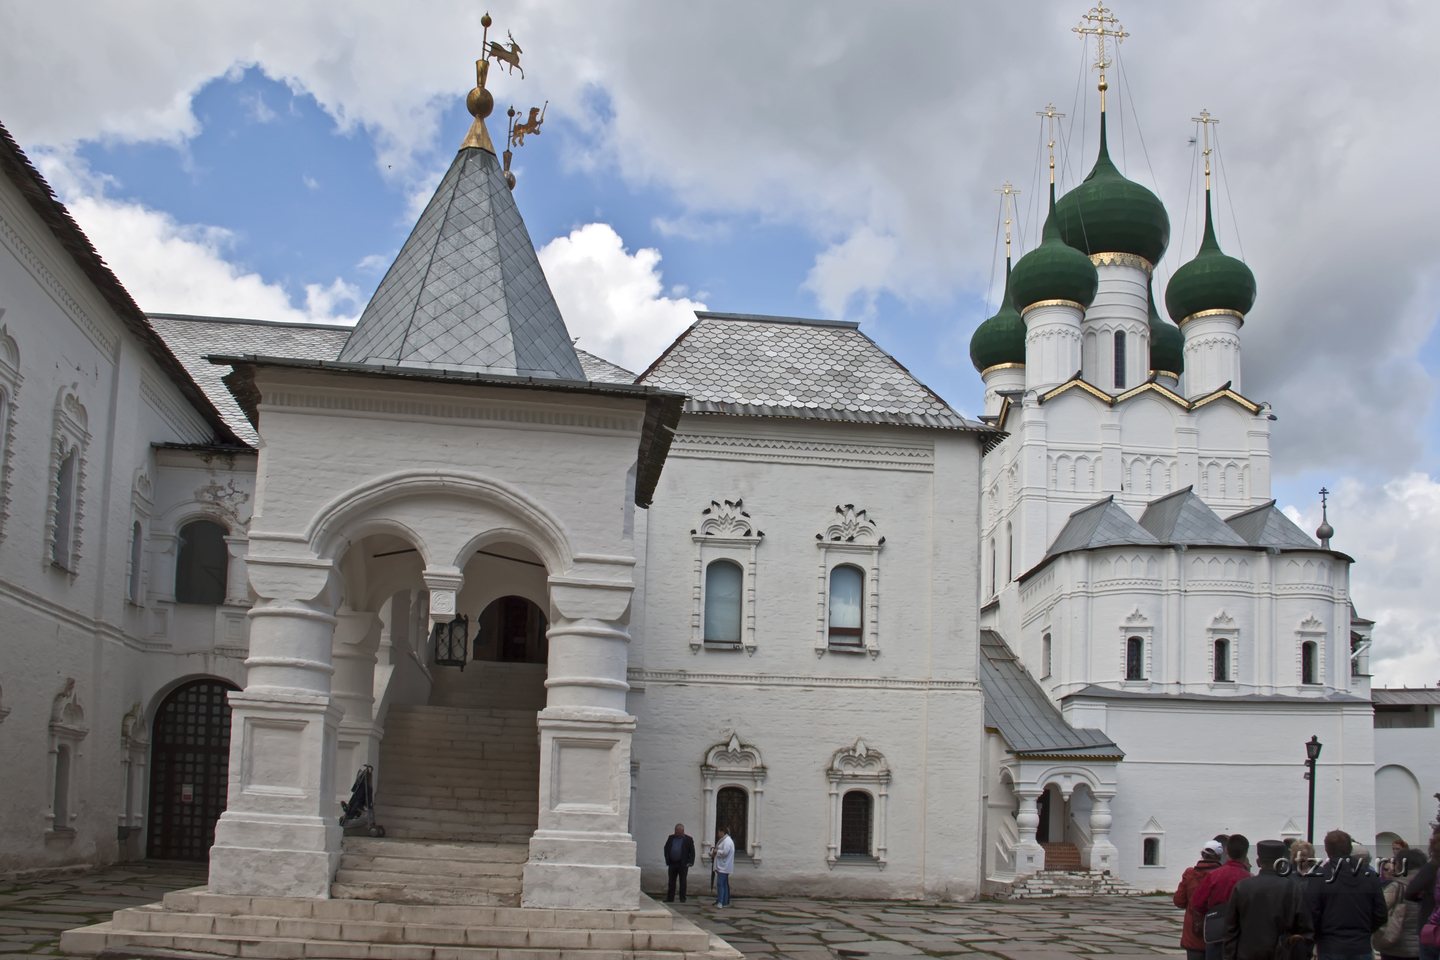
{"x": 266, "y": 158}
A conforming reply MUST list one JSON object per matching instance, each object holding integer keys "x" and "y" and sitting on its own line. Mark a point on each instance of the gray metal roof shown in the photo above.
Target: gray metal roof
{"x": 1031, "y": 724}
{"x": 1092, "y": 691}
{"x": 466, "y": 292}
{"x": 746, "y": 365}
{"x": 192, "y": 338}
{"x": 1406, "y": 696}
{"x": 1266, "y": 526}
{"x": 1182, "y": 517}
{"x": 1102, "y": 524}
{"x": 599, "y": 370}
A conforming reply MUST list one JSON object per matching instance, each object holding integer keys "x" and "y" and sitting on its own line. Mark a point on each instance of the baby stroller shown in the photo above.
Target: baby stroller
{"x": 360, "y": 810}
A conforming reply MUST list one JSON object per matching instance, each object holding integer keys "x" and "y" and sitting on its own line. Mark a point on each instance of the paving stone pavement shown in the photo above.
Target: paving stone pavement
{"x": 1053, "y": 929}
{"x": 33, "y": 912}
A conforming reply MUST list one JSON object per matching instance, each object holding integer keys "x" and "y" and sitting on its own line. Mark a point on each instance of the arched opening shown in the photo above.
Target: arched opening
{"x": 1046, "y": 656}
{"x": 1009, "y": 553}
{"x": 1309, "y": 657}
{"x": 202, "y": 564}
{"x": 1135, "y": 658}
{"x": 723, "y": 585}
{"x": 189, "y": 770}
{"x": 137, "y": 556}
{"x": 1222, "y": 661}
{"x": 64, "y": 511}
{"x": 1151, "y": 852}
{"x": 847, "y": 597}
{"x": 512, "y": 629}
{"x": 732, "y": 812}
{"x": 857, "y": 824}
{"x": 1119, "y": 359}
{"x": 61, "y": 802}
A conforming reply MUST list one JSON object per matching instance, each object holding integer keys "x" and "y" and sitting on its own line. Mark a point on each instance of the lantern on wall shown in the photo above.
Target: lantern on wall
{"x": 450, "y": 640}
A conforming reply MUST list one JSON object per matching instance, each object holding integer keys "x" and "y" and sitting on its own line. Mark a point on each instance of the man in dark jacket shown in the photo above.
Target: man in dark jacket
{"x": 1214, "y": 891}
{"x": 1347, "y": 906}
{"x": 679, "y": 858}
{"x": 1265, "y": 909}
{"x": 1421, "y": 889}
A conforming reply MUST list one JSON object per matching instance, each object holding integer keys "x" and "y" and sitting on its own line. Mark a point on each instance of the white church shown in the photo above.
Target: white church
{"x": 772, "y": 583}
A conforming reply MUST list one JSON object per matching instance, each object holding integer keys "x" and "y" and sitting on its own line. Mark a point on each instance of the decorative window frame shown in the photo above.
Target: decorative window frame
{"x": 734, "y": 763}
{"x": 1152, "y": 831}
{"x": 726, "y": 532}
{"x": 134, "y": 749}
{"x": 72, "y": 433}
{"x": 1136, "y": 625}
{"x": 1310, "y": 630}
{"x": 68, "y": 729}
{"x": 859, "y": 767}
{"x": 852, "y": 538}
{"x": 10, "y": 381}
{"x": 1223, "y": 628}
{"x": 142, "y": 506}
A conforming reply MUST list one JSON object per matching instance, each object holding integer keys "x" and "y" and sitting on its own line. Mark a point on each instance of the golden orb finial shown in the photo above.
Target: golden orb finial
{"x": 485, "y": 20}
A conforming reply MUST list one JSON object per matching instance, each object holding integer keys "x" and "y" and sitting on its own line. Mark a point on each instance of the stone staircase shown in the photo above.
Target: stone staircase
{"x": 196, "y": 923}
{"x": 1069, "y": 883}
{"x": 459, "y": 773}
{"x": 432, "y": 872}
{"x": 1062, "y": 856}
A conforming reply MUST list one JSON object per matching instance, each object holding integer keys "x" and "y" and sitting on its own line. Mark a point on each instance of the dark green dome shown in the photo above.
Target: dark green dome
{"x": 1212, "y": 281}
{"x": 1001, "y": 339}
{"x": 1167, "y": 343}
{"x": 1110, "y": 214}
{"x": 1053, "y": 270}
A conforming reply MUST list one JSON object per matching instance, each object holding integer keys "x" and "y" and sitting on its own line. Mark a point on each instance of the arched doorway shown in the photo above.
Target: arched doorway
{"x": 512, "y": 629}
{"x": 189, "y": 766}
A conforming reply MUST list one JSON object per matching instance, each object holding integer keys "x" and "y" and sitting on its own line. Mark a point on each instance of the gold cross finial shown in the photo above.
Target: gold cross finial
{"x": 1050, "y": 115}
{"x": 1101, "y": 24}
{"x": 1008, "y": 191}
{"x": 1205, "y": 121}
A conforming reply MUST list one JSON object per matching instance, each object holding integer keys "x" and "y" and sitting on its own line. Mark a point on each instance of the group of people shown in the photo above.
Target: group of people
{"x": 1298, "y": 906}
{"x": 680, "y": 857}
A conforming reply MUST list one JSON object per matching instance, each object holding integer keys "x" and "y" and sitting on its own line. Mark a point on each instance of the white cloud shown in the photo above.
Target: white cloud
{"x": 1393, "y": 531}
{"x": 863, "y": 265}
{"x": 612, "y": 300}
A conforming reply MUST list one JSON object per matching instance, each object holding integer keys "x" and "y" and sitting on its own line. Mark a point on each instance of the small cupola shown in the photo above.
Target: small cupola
{"x": 1167, "y": 346}
{"x": 1053, "y": 271}
{"x": 1108, "y": 213}
{"x": 1211, "y": 281}
{"x": 1001, "y": 339}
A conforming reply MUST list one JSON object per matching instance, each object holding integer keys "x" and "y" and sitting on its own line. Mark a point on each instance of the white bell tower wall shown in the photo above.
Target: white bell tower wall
{"x": 1212, "y": 351}
{"x": 1052, "y": 343}
{"x": 1121, "y": 308}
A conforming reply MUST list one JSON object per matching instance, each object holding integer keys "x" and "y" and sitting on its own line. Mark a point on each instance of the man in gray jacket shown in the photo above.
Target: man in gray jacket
{"x": 1266, "y": 910}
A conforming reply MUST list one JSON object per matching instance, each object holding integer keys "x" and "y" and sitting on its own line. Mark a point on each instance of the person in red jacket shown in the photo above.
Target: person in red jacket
{"x": 1214, "y": 891}
{"x": 1191, "y": 936}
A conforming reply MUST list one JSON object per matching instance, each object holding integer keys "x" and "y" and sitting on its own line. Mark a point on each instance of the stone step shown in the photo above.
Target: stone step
{"x": 414, "y": 890}
{"x": 385, "y": 813}
{"x": 408, "y": 830}
{"x": 437, "y": 802}
{"x": 480, "y": 712}
{"x": 436, "y": 850}
{"x": 483, "y": 791}
{"x": 1061, "y": 856}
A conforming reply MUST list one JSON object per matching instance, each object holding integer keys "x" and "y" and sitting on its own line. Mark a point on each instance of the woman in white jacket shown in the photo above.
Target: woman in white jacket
{"x": 723, "y": 863}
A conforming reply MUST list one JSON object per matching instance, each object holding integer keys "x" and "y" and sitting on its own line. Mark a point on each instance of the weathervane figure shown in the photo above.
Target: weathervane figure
{"x": 481, "y": 103}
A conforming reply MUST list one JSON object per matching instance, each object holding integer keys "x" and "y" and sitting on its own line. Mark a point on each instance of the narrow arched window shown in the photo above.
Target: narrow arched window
{"x": 1222, "y": 661}
{"x": 1045, "y": 655}
{"x": 1152, "y": 851}
{"x": 723, "y": 580}
{"x": 994, "y": 584}
{"x": 201, "y": 564}
{"x": 64, "y": 511}
{"x": 1135, "y": 659}
{"x": 137, "y": 556}
{"x": 1119, "y": 359}
{"x": 732, "y": 811}
{"x": 61, "y": 807}
{"x": 847, "y": 595}
{"x": 1309, "y": 667}
{"x": 1009, "y": 553}
{"x": 857, "y": 809}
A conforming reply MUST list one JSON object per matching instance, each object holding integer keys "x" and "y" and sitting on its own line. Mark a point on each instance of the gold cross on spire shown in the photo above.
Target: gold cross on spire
{"x": 1049, "y": 114}
{"x": 1205, "y": 121}
{"x": 1100, "y": 23}
{"x": 1008, "y": 191}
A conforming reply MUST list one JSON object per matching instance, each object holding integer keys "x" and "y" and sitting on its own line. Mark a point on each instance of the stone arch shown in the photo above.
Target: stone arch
{"x": 1397, "y": 802}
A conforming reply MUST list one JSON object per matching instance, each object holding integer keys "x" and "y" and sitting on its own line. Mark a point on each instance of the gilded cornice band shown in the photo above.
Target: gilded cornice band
{"x": 1165, "y": 373}
{"x": 1214, "y": 313}
{"x": 1051, "y": 303}
{"x": 1123, "y": 260}
{"x": 1001, "y": 366}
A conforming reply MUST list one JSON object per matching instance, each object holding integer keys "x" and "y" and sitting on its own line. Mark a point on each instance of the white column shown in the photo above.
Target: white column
{"x": 354, "y": 653}
{"x": 1212, "y": 351}
{"x": 280, "y": 835}
{"x": 1103, "y": 855}
{"x": 163, "y": 547}
{"x": 1029, "y": 855}
{"x": 1052, "y": 343}
{"x": 237, "y": 583}
{"x": 582, "y": 855}
{"x": 1121, "y": 305}
{"x": 1002, "y": 378}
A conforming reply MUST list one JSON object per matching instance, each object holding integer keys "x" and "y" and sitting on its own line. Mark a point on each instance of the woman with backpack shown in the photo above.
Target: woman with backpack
{"x": 1400, "y": 937}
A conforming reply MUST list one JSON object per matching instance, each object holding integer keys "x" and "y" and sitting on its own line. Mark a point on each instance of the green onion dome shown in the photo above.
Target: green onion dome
{"x": 1001, "y": 339}
{"x": 1212, "y": 281}
{"x": 1053, "y": 270}
{"x": 1167, "y": 343}
{"x": 1110, "y": 214}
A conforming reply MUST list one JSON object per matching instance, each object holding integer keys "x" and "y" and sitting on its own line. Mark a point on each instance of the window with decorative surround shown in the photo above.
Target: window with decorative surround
{"x": 851, "y": 541}
{"x": 733, "y": 768}
{"x": 67, "y": 730}
{"x": 1224, "y": 649}
{"x": 1135, "y": 648}
{"x": 142, "y": 503}
{"x": 726, "y": 543}
{"x": 1311, "y": 634}
{"x": 65, "y": 511}
{"x": 9, "y": 386}
{"x": 858, "y": 769}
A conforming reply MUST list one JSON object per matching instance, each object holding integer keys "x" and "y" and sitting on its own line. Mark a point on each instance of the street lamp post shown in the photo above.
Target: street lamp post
{"x": 1312, "y": 753}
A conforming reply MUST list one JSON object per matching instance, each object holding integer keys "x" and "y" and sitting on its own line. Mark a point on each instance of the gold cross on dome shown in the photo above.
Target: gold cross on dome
{"x": 1205, "y": 121}
{"x": 1100, "y": 23}
{"x": 1008, "y": 191}
{"x": 1051, "y": 116}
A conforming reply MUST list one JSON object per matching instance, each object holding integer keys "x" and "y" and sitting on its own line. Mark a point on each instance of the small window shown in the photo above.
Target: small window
{"x": 1119, "y": 359}
{"x": 1135, "y": 659}
{"x": 994, "y": 562}
{"x": 1009, "y": 553}
{"x": 64, "y": 511}
{"x": 61, "y": 807}
{"x": 137, "y": 556}
{"x": 1309, "y": 653}
{"x": 847, "y": 593}
{"x": 1222, "y": 661}
{"x": 856, "y": 817}
{"x": 723, "y": 580}
{"x": 1045, "y": 654}
{"x": 732, "y": 811}
{"x": 201, "y": 564}
{"x": 1152, "y": 852}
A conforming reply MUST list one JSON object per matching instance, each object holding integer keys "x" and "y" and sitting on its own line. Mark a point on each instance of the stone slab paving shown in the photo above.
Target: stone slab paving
{"x": 1054, "y": 929}
{"x": 33, "y": 912}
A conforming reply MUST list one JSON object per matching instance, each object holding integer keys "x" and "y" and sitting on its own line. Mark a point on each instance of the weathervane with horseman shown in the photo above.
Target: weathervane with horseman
{"x": 481, "y": 103}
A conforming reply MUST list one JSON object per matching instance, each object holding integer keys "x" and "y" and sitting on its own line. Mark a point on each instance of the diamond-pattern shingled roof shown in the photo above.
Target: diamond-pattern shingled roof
{"x": 1182, "y": 517}
{"x": 785, "y": 367}
{"x": 466, "y": 291}
{"x": 1265, "y": 526}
